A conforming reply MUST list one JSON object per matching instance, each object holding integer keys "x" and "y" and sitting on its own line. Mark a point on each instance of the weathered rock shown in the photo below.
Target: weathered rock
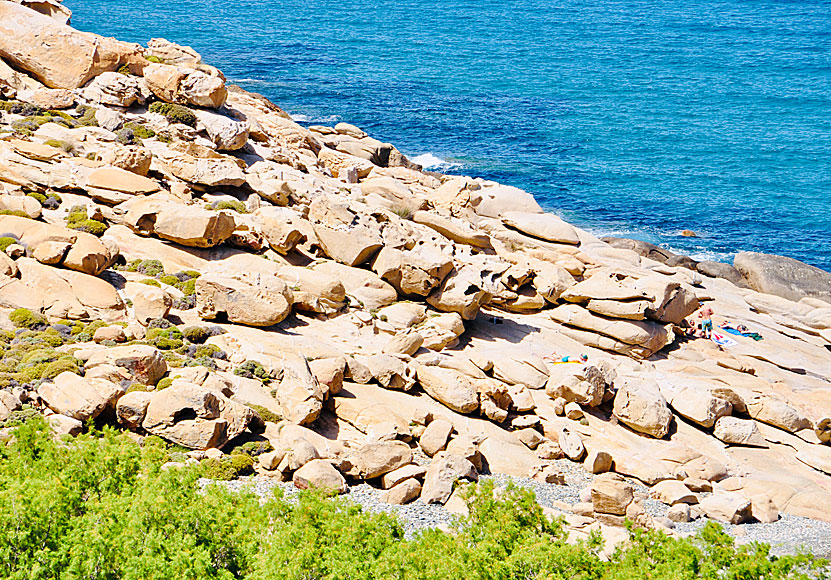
{"x": 729, "y": 508}
{"x": 598, "y": 462}
{"x": 193, "y": 226}
{"x": 777, "y": 413}
{"x": 378, "y": 458}
{"x": 696, "y": 404}
{"x": 173, "y": 53}
{"x": 347, "y": 237}
{"x": 299, "y": 393}
{"x": 185, "y": 86}
{"x": 450, "y": 388}
{"x": 113, "y": 185}
{"x": 390, "y": 371}
{"x": 132, "y": 407}
{"x": 722, "y": 270}
{"x": 143, "y": 362}
{"x": 414, "y": 272}
{"x": 113, "y": 89}
{"x": 55, "y": 54}
{"x": 402, "y": 493}
{"x": 411, "y": 471}
{"x": 24, "y": 203}
{"x": 313, "y": 291}
{"x": 252, "y": 300}
{"x": 78, "y": 397}
{"x": 783, "y": 276}
{"x": 679, "y": 513}
{"x": 442, "y": 474}
{"x": 735, "y": 431}
{"x": 462, "y": 292}
{"x": 407, "y": 343}
{"x": 545, "y": 226}
{"x": 132, "y": 158}
{"x": 671, "y": 492}
{"x": 495, "y": 201}
{"x": 366, "y": 288}
{"x": 149, "y": 302}
{"x": 226, "y": 133}
{"x": 571, "y": 444}
{"x": 319, "y": 474}
{"x": 281, "y": 228}
{"x": 610, "y": 494}
{"x": 763, "y": 509}
{"x": 530, "y": 437}
{"x": 435, "y": 436}
{"x": 583, "y": 384}
{"x": 640, "y": 405}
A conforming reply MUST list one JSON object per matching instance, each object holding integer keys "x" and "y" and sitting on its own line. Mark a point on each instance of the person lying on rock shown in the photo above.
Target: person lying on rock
{"x": 566, "y": 359}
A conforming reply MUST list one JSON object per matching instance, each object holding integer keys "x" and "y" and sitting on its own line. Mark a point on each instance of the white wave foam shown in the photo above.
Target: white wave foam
{"x": 430, "y": 161}
{"x": 301, "y": 118}
{"x": 248, "y": 81}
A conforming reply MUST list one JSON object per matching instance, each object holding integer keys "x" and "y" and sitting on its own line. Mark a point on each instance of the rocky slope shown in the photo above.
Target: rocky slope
{"x": 183, "y": 260}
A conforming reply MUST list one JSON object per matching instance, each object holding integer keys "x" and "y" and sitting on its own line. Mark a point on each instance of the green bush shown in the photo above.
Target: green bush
{"x": 233, "y": 205}
{"x": 169, "y": 279}
{"x": 58, "y": 144}
{"x": 15, "y": 212}
{"x": 188, "y": 287}
{"x": 150, "y": 282}
{"x": 265, "y": 414}
{"x": 195, "y": 334}
{"x": 124, "y": 70}
{"x": 164, "y": 383}
{"x": 25, "y": 318}
{"x": 5, "y": 242}
{"x": 100, "y": 507}
{"x": 131, "y": 133}
{"x": 152, "y": 58}
{"x": 165, "y": 338}
{"x": 77, "y": 219}
{"x": 39, "y": 197}
{"x": 253, "y": 370}
{"x": 174, "y": 113}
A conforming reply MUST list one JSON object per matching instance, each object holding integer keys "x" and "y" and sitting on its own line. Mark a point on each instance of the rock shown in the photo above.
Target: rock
{"x": 671, "y": 492}
{"x": 640, "y": 405}
{"x": 402, "y": 493}
{"x": 393, "y": 478}
{"x": 735, "y": 431}
{"x": 299, "y": 393}
{"x": 722, "y": 270}
{"x": 132, "y": 158}
{"x": 114, "y": 333}
{"x": 195, "y": 417}
{"x": 783, "y": 276}
{"x": 763, "y": 509}
{"x": 549, "y": 474}
{"x": 149, "y": 302}
{"x": 77, "y": 397}
{"x": 24, "y": 203}
{"x": 313, "y": 291}
{"x": 340, "y": 164}
{"x": 462, "y": 292}
{"x": 50, "y": 253}
{"x": 173, "y": 53}
{"x": 252, "y": 300}
{"x": 573, "y": 411}
{"x": 413, "y": 273}
{"x": 345, "y": 236}
{"x": 495, "y": 201}
{"x": 55, "y": 54}
{"x": 457, "y": 230}
{"x": 406, "y": 343}
{"x": 818, "y": 457}
{"x": 391, "y": 372}
{"x": 633, "y": 310}
{"x": 598, "y": 462}
{"x": 132, "y": 407}
{"x": 583, "y": 384}
{"x": 281, "y": 227}
{"x": 143, "y": 362}
{"x": 185, "y": 86}
{"x": 113, "y": 185}
{"x": 113, "y": 89}
{"x": 571, "y": 444}
{"x": 319, "y": 474}
{"x": 435, "y": 436}
{"x": 729, "y": 508}
{"x": 545, "y": 226}
{"x": 679, "y": 513}
{"x": 63, "y": 425}
{"x": 444, "y": 470}
{"x": 777, "y": 413}
{"x": 329, "y": 373}
{"x": 226, "y": 133}
{"x": 449, "y": 387}
{"x": 530, "y": 437}
{"x": 610, "y": 494}
{"x": 193, "y": 226}
{"x": 696, "y": 404}
{"x": 271, "y": 459}
{"x": 365, "y": 287}
{"x": 376, "y": 459}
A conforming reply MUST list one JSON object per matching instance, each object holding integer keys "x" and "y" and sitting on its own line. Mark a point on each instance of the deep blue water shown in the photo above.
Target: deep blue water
{"x": 628, "y": 118}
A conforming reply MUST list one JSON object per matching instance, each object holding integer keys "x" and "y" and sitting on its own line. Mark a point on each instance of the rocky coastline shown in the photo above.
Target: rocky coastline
{"x": 182, "y": 260}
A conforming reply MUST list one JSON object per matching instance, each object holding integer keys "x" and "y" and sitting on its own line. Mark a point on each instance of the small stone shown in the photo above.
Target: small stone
{"x": 598, "y": 462}
{"x": 571, "y": 444}
{"x": 573, "y": 411}
{"x": 680, "y": 512}
{"x": 530, "y": 437}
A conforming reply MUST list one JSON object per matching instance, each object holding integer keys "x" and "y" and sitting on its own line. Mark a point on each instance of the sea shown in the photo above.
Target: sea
{"x": 628, "y": 118}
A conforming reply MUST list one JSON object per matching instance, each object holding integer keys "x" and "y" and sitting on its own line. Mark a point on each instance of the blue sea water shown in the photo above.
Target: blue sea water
{"x": 628, "y": 118}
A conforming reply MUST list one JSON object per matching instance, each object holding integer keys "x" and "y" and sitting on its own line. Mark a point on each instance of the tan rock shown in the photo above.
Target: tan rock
{"x": 545, "y": 226}
{"x": 497, "y": 200}
{"x": 583, "y": 384}
{"x": 671, "y": 492}
{"x": 699, "y": 405}
{"x": 329, "y": 373}
{"x": 435, "y": 436}
{"x": 449, "y": 387}
{"x": 763, "y": 509}
{"x": 50, "y": 252}
{"x": 319, "y": 474}
{"x": 120, "y": 181}
{"x": 461, "y": 292}
{"x": 729, "y": 508}
{"x": 23, "y": 203}
{"x": 253, "y": 301}
{"x": 640, "y": 405}
{"x": 114, "y": 333}
{"x": 143, "y": 362}
{"x": 299, "y": 393}
{"x": 571, "y": 443}
{"x": 55, "y": 54}
{"x": 610, "y": 494}
{"x": 132, "y": 407}
{"x": 414, "y": 272}
{"x": 313, "y": 291}
{"x": 598, "y": 461}
{"x": 346, "y": 236}
{"x": 149, "y": 302}
{"x": 393, "y": 478}
{"x": 769, "y": 410}
{"x": 442, "y": 474}
{"x": 185, "y": 86}
{"x": 406, "y": 343}
{"x": 226, "y": 133}
{"x": 376, "y": 459}
{"x": 77, "y": 397}
{"x": 402, "y": 493}
{"x": 281, "y": 227}
{"x": 132, "y": 158}
{"x": 457, "y": 230}
{"x": 113, "y": 89}
{"x": 735, "y": 431}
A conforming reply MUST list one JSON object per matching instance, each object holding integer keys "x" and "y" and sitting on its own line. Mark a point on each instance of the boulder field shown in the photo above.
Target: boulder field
{"x": 182, "y": 260}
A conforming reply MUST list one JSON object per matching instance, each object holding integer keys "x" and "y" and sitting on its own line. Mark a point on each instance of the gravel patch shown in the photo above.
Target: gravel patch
{"x": 789, "y": 535}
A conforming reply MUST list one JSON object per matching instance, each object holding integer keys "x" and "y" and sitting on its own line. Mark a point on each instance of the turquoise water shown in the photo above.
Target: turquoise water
{"x": 633, "y": 118}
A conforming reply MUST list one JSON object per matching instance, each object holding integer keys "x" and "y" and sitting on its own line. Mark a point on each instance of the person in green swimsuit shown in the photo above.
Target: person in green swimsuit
{"x": 706, "y": 315}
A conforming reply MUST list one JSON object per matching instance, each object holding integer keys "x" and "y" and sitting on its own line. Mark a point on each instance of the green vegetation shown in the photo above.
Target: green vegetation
{"x": 49, "y": 201}
{"x": 6, "y": 241}
{"x": 195, "y": 334}
{"x": 15, "y": 212}
{"x": 66, "y": 146}
{"x": 131, "y": 133}
{"x": 152, "y": 268}
{"x": 265, "y": 414}
{"x": 77, "y": 219}
{"x": 29, "y": 356}
{"x": 231, "y": 204}
{"x": 153, "y": 58}
{"x": 252, "y": 369}
{"x": 100, "y": 507}
{"x": 34, "y": 117}
{"x": 25, "y": 318}
{"x": 150, "y": 282}
{"x": 228, "y": 467}
{"x": 164, "y": 338}
{"x": 124, "y": 70}
{"x": 174, "y": 113}
{"x": 164, "y": 383}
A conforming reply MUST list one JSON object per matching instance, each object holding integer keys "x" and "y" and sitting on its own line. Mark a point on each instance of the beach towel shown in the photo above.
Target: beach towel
{"x": 722, "y": 339}
{"x": 737, "y": 332}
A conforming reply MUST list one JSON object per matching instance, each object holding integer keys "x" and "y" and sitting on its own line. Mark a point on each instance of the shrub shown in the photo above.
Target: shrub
{"x": 165, "y": 338}
{"x": 195, "y": 334}
{"x": 86, "y": 117}
{"x": 132, "y": 133}
{"x": 265, "y": 414}
{"x": 174, "y": 113}
{"x": 253, "y": 370}
{"x": 188, "y": 287}
{"x": 164, "y": 383}
{"x": 150, "y": 267}
{"x": 152, "y": 58}
{"x": 77, "y": 219}
{"x": 15, "y": 212}
{"x": 233, "y": 205}
{"x": 63, "y": 364}
{"x": 169, "y": 279}
{"x": 5, "y": 242}
{"x": 39, "y": 197}
{"x": 151, "y": 282}
{"x": 58, "y": 144}
{"x": 124, "y": 70}
{"x": 25, "y": 318}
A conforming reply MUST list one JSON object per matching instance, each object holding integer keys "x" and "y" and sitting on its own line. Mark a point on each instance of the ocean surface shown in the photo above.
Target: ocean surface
{"x": 634, "y": 118}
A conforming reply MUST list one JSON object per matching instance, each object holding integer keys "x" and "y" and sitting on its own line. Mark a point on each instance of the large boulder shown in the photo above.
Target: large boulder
{"x": 583, "y": 384}
{"x": 78, "y": 397}
{"x": 735, "y": 431}
{"x": 113, "y": 89}
{"x": 252, "y": 300}
{"x": 610, "y": 494}
{"x": 282, "y": 228}
{"x": 143, "y": 362}
{"x": 698, "y": 404}
{"x": 113, "y": 185}
{"x": 775, "y": 412}
{"x": 545, "y": 226}
{"x": 184, "y": 224}
{"x": 299, "y": 393}
{"x": 378, "y": 458}
{"x": 319, "y": 474}
{"x": 413, "y": 272}
{"x": 783, "y": 276}
{"x": 640, "y": 405}
{"x": 496, "y": 200}
{"x": 462, "y": 292}
{"x": 226, "y": 133}
{"x": 452, "y": 389}
{"x": 314, "y": 291}
{"x": 444, "y": 471}
{"x": 195, "y": 417}
{"x": 55, "y": 54}
{"x": 185, "y": 86}
{"x": 346, "y": 236}
{"x": 730, "y": 508}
